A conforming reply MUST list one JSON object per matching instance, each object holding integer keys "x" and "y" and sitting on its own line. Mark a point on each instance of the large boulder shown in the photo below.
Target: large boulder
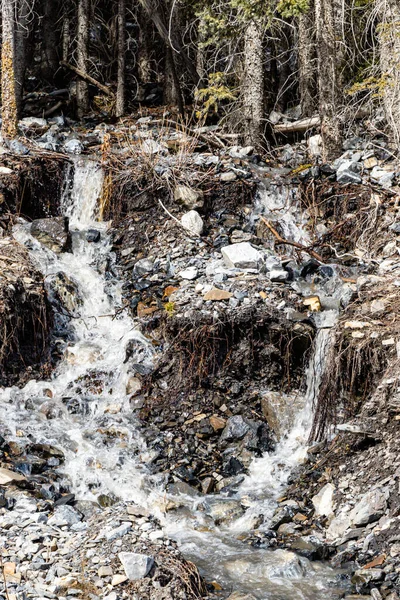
{"x": 52, "y": 233}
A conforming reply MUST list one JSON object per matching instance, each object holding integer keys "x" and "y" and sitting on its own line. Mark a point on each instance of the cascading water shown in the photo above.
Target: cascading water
{"x": 99, "y": 463}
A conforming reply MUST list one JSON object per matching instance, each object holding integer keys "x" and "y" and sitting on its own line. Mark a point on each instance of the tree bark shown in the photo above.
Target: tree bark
{"x": 82, "y": 88}
{"x": 253, "y": 85}
{"x": 172, "y": 88}
{"x": 24, "y": 12}
{"x": 8, "y": 87}
{"x": 389, "y": 39}
{"x": 120, "y": 100}
{"x": 51, "y": 40}
{"x": 307, "y": 63}
{"x": 327, "y": 79}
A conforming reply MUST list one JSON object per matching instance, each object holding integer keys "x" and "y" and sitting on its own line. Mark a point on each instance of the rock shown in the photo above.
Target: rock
{"x": 348, "y": 172}
{"x": 7, "y": 476}
{"x": 18, "y": 148}
{"x": 118, "y": 532}
{"x": 93, "y": 236}
{"x": 240, "y": 152}
{"x": 133, "y": 386}
{"x": 217, "y": 423}
{"x": 315, "y": 145}
{"x": 105, "y": 571}
{"x": 143, "y": 267}
{"x": 33, "y": 125}
{"x": 235, "y": 429}
{"x": 216, "y": 294}
{"x": 221, "y": 510}
{"x": 323, "y": 501}
{"x": 64, "y": 515}
{"x": 228, "y": 177}
{"x": 190, "y": 198}
{"x": 73, "y": 147}
{"x": 118, "y": 579}
{"x": 275, "y": 117}
{"x": 52, "y": 233}
{"x": 371, "y": 162}
{"x": 369, "y": 509}
{"x": 313, "y": 303}
{"x": 282, "y": 515}
{"x": 278, "y": 275}
{"x": 190, "y": 273}
{"x": 309, "y": 546}
{"x": 337, "y": 527}
{"x": 64, "y": 293}
{"x": 5, "y": 171}
{"x": 241, "y": 256}
{"x": 136, "y": 566}
{"x": 193, "y": 222}
{"x": 240, "y": 596}
{"x": 382, "y": 177}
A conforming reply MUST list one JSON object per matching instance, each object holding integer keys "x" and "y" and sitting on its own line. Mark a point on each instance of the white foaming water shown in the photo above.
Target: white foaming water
{"x": 104, "y": 452}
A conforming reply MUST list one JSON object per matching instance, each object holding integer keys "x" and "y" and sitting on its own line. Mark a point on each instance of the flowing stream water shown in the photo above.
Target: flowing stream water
{"x": 98, "y": 335}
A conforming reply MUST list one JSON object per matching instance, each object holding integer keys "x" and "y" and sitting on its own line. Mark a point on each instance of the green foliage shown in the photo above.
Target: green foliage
{"x": 212, "y": 96}
{"x": 169, "y": 308}
{"x": 292, "y": 8}
{"x": 377, "y": 85}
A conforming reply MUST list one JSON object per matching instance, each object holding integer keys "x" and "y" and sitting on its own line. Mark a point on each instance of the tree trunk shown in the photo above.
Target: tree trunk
{"x": 253, "y": 85}
{"x": 327, "y": 79}
{"x": 8, "y": 86}
{"x": 307, "y": 63}
{"x": 82, "y": 88}
{"x": 24, "y": 12}
{"x": 389, "y": 39}
{"x": 172, "y": 88}
{"x": 144, "y": 62}
{"x": 120, "y": 100}
{"x": 65, "y": 37}
{"x": 51, "y": 39}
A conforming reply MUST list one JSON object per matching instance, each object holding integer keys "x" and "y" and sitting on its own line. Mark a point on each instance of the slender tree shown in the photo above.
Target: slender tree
{"x": 82, "y": 88}
{"x": 389, "y": 38}
{"x": 8, "y": 85}
{"x": 120, "y": 101}
{"x": 253, "y": 84}
{"x": 307, "y": 62}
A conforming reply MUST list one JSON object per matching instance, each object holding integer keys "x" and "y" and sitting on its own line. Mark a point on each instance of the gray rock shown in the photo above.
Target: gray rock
{"x": 190, "y": 273}
{"x": 193, "y": 222}
{"x": 349, "y": 172}
{"x": 370, "y": 508}
{"x": 188, "y": 197}
{"x": 224, "y": 510}
{"x": 73, "y": 147}
{"x": 277, "y": 275}
{"x": 240, "y": 152}
{"x": 241, "y": 256}
{"x": 64, "y": 292}
{"x": 235, "y": 429}
{"x": 144, "y": 266}
{"x": 17, "y": 147}
{"x": 52, "y": 233}
{"x": 282, "y": 515}
{"x": 33, "y": 125}
{"x": 382, "y": 177}
{"x": 136, "y": 566}
{"x": 64, "y": 515}
{"x": 152, "y": 147}
{"x": 118, "y": 532}
{"x": 93, "y": 236}
{"x": 395, "y": 227}
{"x": 228, "y": 177}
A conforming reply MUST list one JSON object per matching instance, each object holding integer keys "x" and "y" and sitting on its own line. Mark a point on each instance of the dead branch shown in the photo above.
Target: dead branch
{"x": 281, "y": 240}
{"x": 88, "y": 78}
{"x": 212, "y": 141}
{"x": 298, "y": 126}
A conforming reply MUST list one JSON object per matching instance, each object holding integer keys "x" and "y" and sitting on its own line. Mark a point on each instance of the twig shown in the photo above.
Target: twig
{"x": 281, "y": 240}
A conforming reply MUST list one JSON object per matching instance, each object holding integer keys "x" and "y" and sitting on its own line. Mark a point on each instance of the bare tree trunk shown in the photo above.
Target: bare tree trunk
{"x": 24, "y": 14}
{"x": 253, "y": 85}
{"x": 82, "y": 88}
{"x": 65, "y": 37}
{"x": 389, "y": 38}
{"x": 144, "y": 49}
{"x": 120, "y": 100}
{"x": 172, "y": 88}
{"x": 51, "y": 37}
{"x": 327, "y": 79}
{"x": 8, "y": 87}
{"x": 307, "y": 63}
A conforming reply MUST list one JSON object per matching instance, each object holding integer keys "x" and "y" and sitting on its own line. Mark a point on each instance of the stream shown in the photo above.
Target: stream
{"x": 98, "y": 336}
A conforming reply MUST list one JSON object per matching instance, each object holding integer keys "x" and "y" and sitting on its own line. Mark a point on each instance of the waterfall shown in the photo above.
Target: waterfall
{"x": 104, "y": 451}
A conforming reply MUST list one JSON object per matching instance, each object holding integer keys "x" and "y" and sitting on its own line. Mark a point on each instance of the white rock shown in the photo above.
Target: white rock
{"x": 370, "y": 508}
{"x": 190, "y": 198}
{"x": 7, "y": 476}
{"x": 64, "y": 515}
{"x": 315, "y": 145}
{"x": 338, "y": 526}
{"x": 241, "y": 256}
{"x": 323, "y": 501}
{"x": 152, "y": 147}
{"x": 193, "y": 222}
{"x": 190, "y": 273}
{"x": 118, "y": 532}
{"x": 5, "y": 171}
{"x": 278, "y": 275}
{"x": 136, "y": 566}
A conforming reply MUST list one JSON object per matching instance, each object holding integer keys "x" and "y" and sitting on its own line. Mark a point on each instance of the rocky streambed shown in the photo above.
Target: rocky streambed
{"x": 196, "y": 346}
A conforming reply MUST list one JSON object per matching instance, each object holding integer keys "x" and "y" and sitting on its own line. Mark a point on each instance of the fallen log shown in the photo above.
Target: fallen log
{"x": 88, "y": 78}
{"x": 298, "y": 126}
{"x": 281, "y": 240}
